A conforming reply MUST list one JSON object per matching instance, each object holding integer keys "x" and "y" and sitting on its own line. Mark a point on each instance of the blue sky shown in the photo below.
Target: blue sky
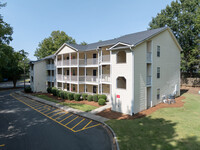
{"x": 84, "y": 20}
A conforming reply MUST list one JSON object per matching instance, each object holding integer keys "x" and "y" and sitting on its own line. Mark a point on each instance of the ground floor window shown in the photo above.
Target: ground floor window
{"x": 121, "y": 83}
{"x": 158, "y": 94}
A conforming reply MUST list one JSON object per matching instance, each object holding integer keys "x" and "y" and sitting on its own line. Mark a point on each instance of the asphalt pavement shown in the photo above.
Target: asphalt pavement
{"x": 30, "y": 125}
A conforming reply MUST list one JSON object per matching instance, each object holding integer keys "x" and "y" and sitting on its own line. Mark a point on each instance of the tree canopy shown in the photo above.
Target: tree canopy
{"x": 51, "y": 44}
{"x": 183, "y": 17}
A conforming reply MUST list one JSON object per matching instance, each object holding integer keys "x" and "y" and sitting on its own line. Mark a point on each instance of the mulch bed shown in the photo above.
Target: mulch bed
{"x": 92, "y": 103}
{"x": 108, "y": 113}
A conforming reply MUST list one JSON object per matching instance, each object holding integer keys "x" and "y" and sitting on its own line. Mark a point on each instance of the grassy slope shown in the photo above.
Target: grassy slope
{"x": 167, "y": 128}
{"x": 82, "y": 107}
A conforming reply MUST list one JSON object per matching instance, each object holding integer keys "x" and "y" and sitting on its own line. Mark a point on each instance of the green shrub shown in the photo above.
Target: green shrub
{"x": 77, "y": 97}
{"x": 70, "y": 96}
{"x": 49, "y": 90}
{"x": 65, "y": 95}
{"x": 90, "y": 98}
{"x": 61, "y": 94}
{"x": 95, "y": 98}
{"x": 102, "y": 97}
{"x": 28, "y": 89}
{"x": 101, "y": 101}
{"x": 58, "y": 92}
{"x": 54, "y": 91}
{"x": 84, "y": 96}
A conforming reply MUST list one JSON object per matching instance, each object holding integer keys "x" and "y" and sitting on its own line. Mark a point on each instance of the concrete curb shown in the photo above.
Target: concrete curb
{"x": 91, "y": 116}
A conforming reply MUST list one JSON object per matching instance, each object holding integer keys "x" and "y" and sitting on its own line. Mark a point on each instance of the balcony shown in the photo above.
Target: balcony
{"x": 50, "y": 78}
{"x": 59, "y": 77}
{"x": 73, "y": 78}
{"x": 149, "y": 80}
{"x": 82, "y": 78}
{"x": 59, "y": 63}
{"x": 50, "y": 66}
{"x": 91, "y": 79}
{"x": 73, "y": 62}
{"x": 149, "y": 57}
{"x": 105, "y": 58}
{"x": 92, "y": 61}
{"x": 66, "y": 78}
{"x": 65, "y": 62}
{"x": 105, "y": 78}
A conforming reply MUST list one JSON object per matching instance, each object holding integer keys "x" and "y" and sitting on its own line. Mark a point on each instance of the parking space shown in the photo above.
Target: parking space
{"x": 68, "y": 120}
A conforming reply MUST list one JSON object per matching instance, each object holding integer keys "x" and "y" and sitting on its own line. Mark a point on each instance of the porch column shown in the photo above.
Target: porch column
{"x": 78, "y": 72}
{"x": 62, "y": 60}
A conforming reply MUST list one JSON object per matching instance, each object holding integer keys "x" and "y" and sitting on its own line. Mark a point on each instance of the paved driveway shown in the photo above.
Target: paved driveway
{"x": 29, "y": 125}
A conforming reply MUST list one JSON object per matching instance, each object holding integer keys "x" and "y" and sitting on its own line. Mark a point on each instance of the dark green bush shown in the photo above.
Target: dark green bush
{"x": 77, "y": 97}
{"x": 102, "y": 97}
{"x": 65, "y": 95}
{"x": 54, "y": 91}
{"x": 95, "y": 98}
{"x": 28, "y": 89}
{"x": 62, "y": 94}
{"x": 90, "y": 98}
{"x": 49, "y": 90}
{"x": 70, "y": 96}
{"x": 101, "y": 101}
{"x": 84, "y": 96}
{"x": 58, "y": 92}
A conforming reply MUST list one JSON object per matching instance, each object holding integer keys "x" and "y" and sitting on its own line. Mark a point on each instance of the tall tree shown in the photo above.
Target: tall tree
{"x": 51, "y": 44}
{"x": 183, "y": 17}
{"x": 5, "y": 30}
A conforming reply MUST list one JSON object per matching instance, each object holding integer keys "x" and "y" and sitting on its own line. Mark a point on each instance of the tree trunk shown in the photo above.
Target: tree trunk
{"x": 14, "y": 83}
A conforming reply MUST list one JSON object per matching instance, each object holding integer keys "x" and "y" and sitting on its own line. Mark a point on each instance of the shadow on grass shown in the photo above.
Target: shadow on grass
{"x": 152, "y": 134}
{"x": 183, "y": 91}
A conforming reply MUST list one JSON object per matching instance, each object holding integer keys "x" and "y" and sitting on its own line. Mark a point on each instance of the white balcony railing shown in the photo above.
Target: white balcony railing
{"x": 65, "y": 62}
{"x": 106, "y": 58}
{"x": 50, "y": 78}
{"x": 105, "y": 78}
{"x": 149, "y": 80}
{"x": 92, "y": 61}
{"x": 73, "y": 62}
{"x": 149, "y": 58}
{"x": 50, "y": 66}
{"x": 91, "y": 78}
{"x": 59, "y": 77}
{"x": 81, "y": 78}
{"x": 59, "y": 63}
{"x": 81, "y": 61}
{"x": 73, "y": 78}
{"x": 66, "y": 77}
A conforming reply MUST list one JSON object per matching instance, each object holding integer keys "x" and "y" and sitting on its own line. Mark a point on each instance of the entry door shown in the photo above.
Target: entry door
{"x": 94, "y": 58}
{"x": 94, "y": 75}
{"x": 94, "y": 89}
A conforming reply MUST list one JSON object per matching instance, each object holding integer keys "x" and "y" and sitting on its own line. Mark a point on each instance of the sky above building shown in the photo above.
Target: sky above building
{"x": 84, "y": 20}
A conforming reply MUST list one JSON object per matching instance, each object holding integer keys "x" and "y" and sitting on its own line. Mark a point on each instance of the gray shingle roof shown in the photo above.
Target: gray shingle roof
{"x": 131, "y": 39}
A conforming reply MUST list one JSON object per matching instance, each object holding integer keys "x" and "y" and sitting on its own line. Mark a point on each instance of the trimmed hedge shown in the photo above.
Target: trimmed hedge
{"x": 101, "y": 101}
{"x": 58, "y": 93}
{"x": 54, "y": 91}
{"x": 62, "y": 94}
{"x": 77, "y": 97}
{"x": 65, "y": 95}
{"x": 28, "y": 89}
{"x": 95, "y": 98}
{"x": 102, "y": 97}
{"x": 70, "y": 96}
{"x": 49, "y": 90}
{"x": 84, "y": 96}
{"x": 90, "y": 98}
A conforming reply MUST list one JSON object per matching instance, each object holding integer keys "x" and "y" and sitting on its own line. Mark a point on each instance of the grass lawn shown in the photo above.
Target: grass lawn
{"x": 165, "y": 129}
{"x": 82, "y": 107}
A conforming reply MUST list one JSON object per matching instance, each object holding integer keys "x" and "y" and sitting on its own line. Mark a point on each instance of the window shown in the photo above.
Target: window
{"x": 121, "y": 83}
{"x": 67, "y": 87}
{"x": 158, "y": 51}
{"x": 158, "y": 72}
{"x": 73, "y": 72}
{"x": 67, "y": 72}
{"x": 74, "y": 88}
{"x": 158, "y": 94}
{"x": 121, "y": 57}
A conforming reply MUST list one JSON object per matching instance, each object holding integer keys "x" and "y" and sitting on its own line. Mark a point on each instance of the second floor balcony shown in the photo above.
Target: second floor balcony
{"x": 105, "y": 78}
{"x": 149, "y": 57}
{"x": 149, "y": 81}
{"x": 50, "y": 66}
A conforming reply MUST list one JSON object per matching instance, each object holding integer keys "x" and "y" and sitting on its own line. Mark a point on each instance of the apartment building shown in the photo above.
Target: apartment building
{"x": 135, "y": 71}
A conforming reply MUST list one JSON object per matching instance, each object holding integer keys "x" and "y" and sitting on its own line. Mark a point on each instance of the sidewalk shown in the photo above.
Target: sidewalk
{"x": 90, "y": 115}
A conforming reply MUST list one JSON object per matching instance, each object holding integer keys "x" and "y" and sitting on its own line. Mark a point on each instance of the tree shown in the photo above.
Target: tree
{"x": 83, "y": 43}
{"x": 51, "y": 44}
{"x": 5, "y": 30}
{"x": 183, "y": 17}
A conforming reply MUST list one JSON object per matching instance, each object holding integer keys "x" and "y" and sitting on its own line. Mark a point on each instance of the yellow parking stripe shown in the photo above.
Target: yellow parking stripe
{"x": 51, "y": 112}
{"x": 72, "y": 129}
{"x": 78, "y": 123}
{"x": 66, "y": 118}
{"x": 57, "y": 113}
{"x": 2, "y": 145}
{"x": 47, "y": 110}
{"x": 61, "y": 115}
{"x": 71, "y": 121}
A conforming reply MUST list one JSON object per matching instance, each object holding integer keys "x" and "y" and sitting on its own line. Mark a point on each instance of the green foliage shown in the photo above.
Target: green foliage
{"x": 77, "y": 97}
{"x": 62, "y": 94}
{"x": 183, "y": 17}
{"x": 101, "y": 101}
{"x": 58, "y": 91}
{"x": 90, "y": 98}
{"x": 49, "y": 90}
{"x": 95, "y": 98}
{"x": 103, "y": 96}
{"x": 54, "y": 91}
{"x": 83, "y": 43}
{"x": 28, "y": 89}
{"x": 70, "y": 96}
{"x": 84, "y": 96}
{"x": 51, "y": 44}
{"x": 65, "y": 95}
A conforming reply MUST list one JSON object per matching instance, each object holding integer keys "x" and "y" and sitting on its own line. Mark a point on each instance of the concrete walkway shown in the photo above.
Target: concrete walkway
{"x": 90, "y": 115}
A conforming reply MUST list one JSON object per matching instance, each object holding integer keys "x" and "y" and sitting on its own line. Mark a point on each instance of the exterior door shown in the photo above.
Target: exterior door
{"x": 94, "y": 89}
{"x": 94, "y": 58}
{"x": 94, "y": 75}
